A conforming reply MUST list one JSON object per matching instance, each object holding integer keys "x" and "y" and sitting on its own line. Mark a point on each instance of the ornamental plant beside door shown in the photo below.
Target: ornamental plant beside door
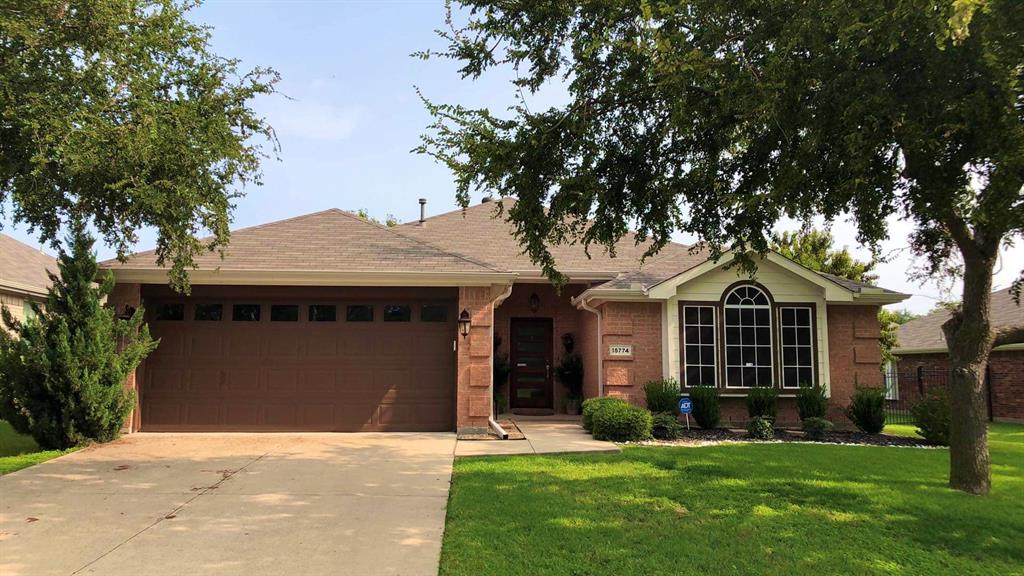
{"x": 570, "y": 374}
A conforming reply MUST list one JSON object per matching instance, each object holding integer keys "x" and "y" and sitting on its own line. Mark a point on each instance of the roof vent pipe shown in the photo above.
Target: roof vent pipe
{"x": 486, "y": 199}
{"x": 423, "y": 210}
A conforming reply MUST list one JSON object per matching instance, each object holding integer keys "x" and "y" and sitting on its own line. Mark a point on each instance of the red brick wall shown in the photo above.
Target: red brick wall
{"x": 473, "y": 398}
{"x": 1006, "y": 378}
{"x": 565, "y": 319}
{"x": 639, "y": 324}
{"x": 734, "y": 412}
{"x": 854, "y": 354}
{"x": 130, "y": 295}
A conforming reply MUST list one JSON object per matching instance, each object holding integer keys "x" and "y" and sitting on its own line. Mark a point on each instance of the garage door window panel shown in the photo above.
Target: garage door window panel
{"x": 284, "y": 313}
{"x": 325, "y": 313}
{"x": 172, "y": 312}
{"x": 208, "y": 312}
{"x": 397, "y": 313}
{"x": 359, "y": 313}
{"x": 434, "y": 313}
{"x": 245, "y": 313}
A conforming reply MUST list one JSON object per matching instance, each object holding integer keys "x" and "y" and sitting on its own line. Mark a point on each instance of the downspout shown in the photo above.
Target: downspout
{"x": 600, "y": 360}
{"x": 490, "y": 419}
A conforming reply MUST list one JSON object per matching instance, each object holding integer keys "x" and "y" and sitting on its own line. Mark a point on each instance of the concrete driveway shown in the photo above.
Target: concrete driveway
{"x": 153, "y": 504}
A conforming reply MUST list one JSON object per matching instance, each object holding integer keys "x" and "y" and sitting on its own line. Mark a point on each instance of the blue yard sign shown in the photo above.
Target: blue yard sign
{"x": 685, "y": 405}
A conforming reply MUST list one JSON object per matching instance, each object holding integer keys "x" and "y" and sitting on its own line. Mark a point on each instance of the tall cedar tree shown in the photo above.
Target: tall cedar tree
{"x": 62, "y": 373}
{"x": 719, "y": 117}
{"x": 118, "y": 110}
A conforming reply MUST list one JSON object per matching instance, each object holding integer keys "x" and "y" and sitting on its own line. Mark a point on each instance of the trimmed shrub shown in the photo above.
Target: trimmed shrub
{"x": 706, "y": 406}
{"x": 931, "y": 415}
{"x": 761, "y": 428}
{"x": 666, "y": 426}
{"x": 592, "y": 405}
{"x": 62, "y": 372}
{"x": 811, "y": 402}
{"x": 867, "y": 409}
{"x": 622, "y": 423}
{"x": 761, "y": 401}
{"x": 816, "y": 428}
{"x": 662, "y": 395}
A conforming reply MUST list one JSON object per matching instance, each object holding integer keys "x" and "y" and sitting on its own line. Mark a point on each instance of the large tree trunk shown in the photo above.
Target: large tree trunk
{"x": 969, "y": 338}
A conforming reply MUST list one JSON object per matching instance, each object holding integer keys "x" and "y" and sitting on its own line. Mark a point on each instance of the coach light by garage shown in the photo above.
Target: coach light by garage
{"x": 464, "y": 323}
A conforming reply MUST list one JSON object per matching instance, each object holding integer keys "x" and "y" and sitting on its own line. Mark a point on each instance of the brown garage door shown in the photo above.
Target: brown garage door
{"x": 291, "y": 363}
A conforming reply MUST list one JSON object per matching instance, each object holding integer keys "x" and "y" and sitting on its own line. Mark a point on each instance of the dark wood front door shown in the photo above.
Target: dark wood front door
{"x": 531, "y": 358}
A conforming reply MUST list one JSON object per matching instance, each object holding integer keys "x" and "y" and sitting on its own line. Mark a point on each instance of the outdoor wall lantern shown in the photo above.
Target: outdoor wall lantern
{"x": 534, "y": 302}
{"x": 129, "y": 311}
{"x": 464, "y": 323}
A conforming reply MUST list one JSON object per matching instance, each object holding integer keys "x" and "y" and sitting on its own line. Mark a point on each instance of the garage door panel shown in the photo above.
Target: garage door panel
{"x": 316, "y": 382}
{"x": 243, "y": 345}
{"x": 242, "y": 381}
{"x": 301, "y": 375}
{"x": 282, "y": 381}
{"x": 204, "y": 382}
{"x": 206, "y": 344}
{"x": 241, "y": 413}
{"x": 202, "y": 414}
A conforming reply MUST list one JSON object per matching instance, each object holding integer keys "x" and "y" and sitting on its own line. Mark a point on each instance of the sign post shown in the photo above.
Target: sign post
{"x": 685, "y": 407}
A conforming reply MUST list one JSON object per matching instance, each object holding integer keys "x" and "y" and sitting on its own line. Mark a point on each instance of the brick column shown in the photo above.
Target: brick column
{"x": 637, "y": 324}
{"x": 129, "y": 295}
{"x": 855, "y": 355}
{"x": 473, "y": 396}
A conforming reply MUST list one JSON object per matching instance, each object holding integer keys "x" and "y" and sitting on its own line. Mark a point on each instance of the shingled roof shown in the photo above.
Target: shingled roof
{"x": 924, "y": 334}
{"x": 328, "y": 241}
{"x": 481, "y": 233}
{"x": 23, "y": 268}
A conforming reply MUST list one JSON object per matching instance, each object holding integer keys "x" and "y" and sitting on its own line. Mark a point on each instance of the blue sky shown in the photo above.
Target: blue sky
{"x": 352, "y": 116}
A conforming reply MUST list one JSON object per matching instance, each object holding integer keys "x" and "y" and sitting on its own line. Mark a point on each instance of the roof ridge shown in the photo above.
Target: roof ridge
{"x": 418, "y": 241}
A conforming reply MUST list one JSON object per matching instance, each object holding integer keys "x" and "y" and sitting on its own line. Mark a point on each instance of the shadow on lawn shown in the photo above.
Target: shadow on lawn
{"x": 743, "y": 509}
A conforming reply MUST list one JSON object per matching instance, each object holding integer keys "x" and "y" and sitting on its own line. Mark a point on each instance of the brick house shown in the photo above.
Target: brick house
{"x": 923, "y": 358}
{"x": 23, "y": 278}
{"x": 328, "y": 322}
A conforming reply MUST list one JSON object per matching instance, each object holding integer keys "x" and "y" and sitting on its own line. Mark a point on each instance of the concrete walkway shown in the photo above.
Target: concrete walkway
{"x": 544, "y": 435}
{"x": 253, "y": 504}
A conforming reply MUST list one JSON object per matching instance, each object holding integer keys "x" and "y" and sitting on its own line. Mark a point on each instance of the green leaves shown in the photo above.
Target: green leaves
{"x": 118, "y": 112}
{"x": 716, "y": 118}
{"x": 63, "y": 373}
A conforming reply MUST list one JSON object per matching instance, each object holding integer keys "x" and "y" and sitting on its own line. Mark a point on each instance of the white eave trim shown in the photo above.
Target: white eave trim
{"x": 317, "y": 277}
{"x": 22, "y": 289}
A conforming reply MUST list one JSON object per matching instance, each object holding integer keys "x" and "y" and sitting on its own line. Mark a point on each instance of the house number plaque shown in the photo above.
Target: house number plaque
{"x": 620, "y": 349}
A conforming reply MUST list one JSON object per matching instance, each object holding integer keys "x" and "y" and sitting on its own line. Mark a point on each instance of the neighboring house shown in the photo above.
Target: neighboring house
{"x": 923, "y": 358}
{"x": 23, "y": 277}
{"x": 329, "y": 322}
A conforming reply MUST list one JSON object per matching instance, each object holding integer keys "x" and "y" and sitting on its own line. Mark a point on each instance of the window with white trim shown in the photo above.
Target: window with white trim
{"x": 748, "y": 338}
{"x": 797, "y": 346}
{"x": 699, "y": 346}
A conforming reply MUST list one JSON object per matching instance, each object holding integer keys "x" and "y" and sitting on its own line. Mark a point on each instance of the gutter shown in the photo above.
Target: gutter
{"x": 582, "y": 303}
{"x": 497, "y": 428}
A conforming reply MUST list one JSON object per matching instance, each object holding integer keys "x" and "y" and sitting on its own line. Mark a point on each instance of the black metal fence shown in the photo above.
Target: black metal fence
{"x": 903, "y": 388}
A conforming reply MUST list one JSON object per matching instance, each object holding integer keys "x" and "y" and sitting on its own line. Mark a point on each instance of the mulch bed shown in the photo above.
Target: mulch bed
{"x": 699, "y": 437}
{"x": 514, "y": 433}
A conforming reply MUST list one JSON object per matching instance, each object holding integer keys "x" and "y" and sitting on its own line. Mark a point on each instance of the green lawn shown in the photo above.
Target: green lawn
{"x": 787, "y": 509}
{"x": 18, "y": 451}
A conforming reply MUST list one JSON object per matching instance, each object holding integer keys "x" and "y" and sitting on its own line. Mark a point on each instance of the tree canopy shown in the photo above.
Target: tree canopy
{"x": 813, "y": 248}
{"x": 118, "y": 111}
{"x": 719, "y": 117}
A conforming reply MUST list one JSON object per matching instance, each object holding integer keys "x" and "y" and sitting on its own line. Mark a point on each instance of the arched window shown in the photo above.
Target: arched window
{"x": 748, "y": 338}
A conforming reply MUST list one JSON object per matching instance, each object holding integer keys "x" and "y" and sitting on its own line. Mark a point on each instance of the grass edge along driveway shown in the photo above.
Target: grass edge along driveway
{"x": 788, "y": 509}
{"x": 19, "y": 451}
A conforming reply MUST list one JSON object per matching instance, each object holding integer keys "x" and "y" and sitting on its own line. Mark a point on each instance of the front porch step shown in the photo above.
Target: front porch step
{"x": 533, "y": 411}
